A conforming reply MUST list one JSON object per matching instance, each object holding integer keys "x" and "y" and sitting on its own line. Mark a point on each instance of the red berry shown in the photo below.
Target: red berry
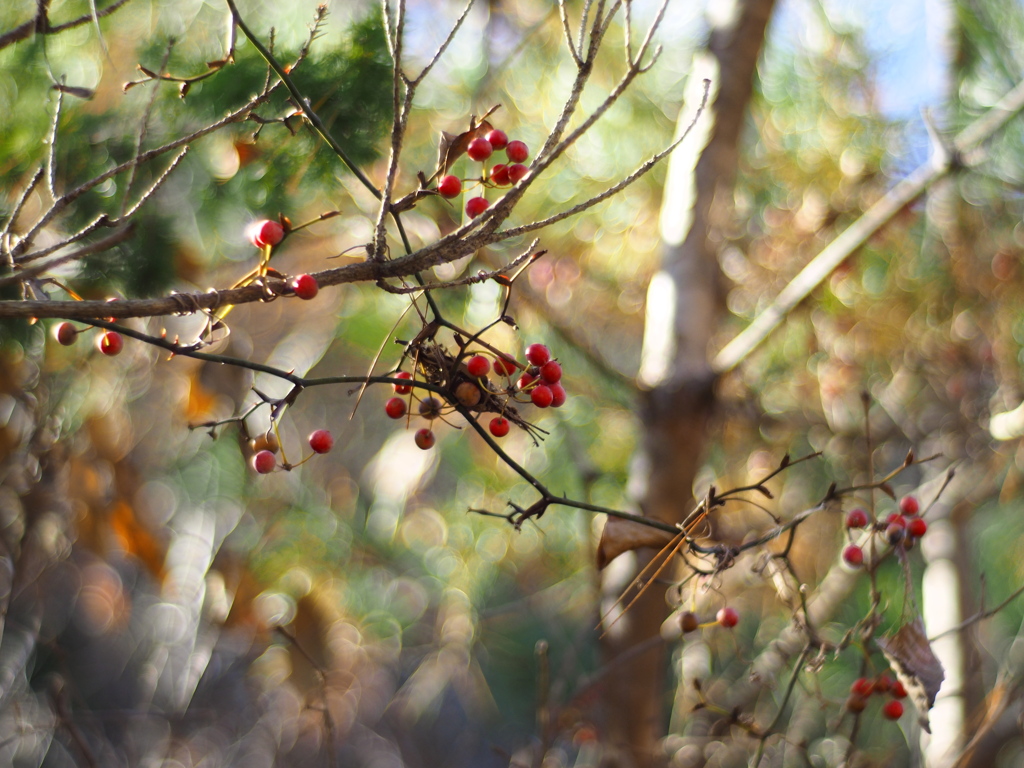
{"x": 449, "y": 186}
{"x": 110, "y": 343}
{"x": 895, "y": 534}
{"x": 525, "y": 380}
{"x": 517, "y": 171}
{"x": 862, "y": 687}
{"x": 517, "y": 151}
{"x": 500, "y": 176}
{"x": 499, "y": 426}
{"x": 538, "y": 354}
{"x": 917, "y": 527}
{"x": 857, "y": 518}
{"x": 479, "y": 149}
{"x": 689, "y": 622}
{"x": 403, "y": 389}
{"x": 321, "y": 441}
{"x": 498, "y": 139}
{"x": 898, "y": 691}
{"x": 853, "y": 555}
{"x": 909, "y": 506}
{"x": 883, "y": 683}
{"x": 728, "y": 617}
{"x": 558, "y": 395}
{"x": 430, "y": 407}
{"x": 395, "y": 407}
{"x": 266, "y": 442}
{"x": 425, "y": 439}
{"x": 856, "y": 703}
{"x": 468, "y": 394}
{"x": 504, "y": 367}
{"x": 478, "y": 365}
{"x": 66, "y": 334}
{"x": 893, "y": 709}
{"x": 265, "y": 232}
{"x": 542, "y": 396}
{"x": 475, "y": 206}
{"x": 264, "y": 462}
{"x": 895, "y": 518}
{"x": 305, "y": 287}
{"x": 551, "y": 372}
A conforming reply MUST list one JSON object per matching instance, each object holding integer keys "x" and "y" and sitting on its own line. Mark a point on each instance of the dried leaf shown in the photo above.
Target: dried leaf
{"x": 451, "y": 147}
{"x": 620, "y": 536}
{"x": 911, "y": 658}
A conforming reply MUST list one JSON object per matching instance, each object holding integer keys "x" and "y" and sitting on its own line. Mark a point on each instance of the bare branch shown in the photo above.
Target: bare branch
{"x": 444, "y": 46}
{"x": 98, "y": 247}
{"x": 143, "y": 126}
{"x": 24, "y": 31}
{"x": 615, "y": 189}
{"x": 399, "y": 115}
{"x": 563, "y": 15}
{"x": 308, "y": 111}
{"x": 51, "y": 160}
{"x": 36, "y": 178}
{"x": 66, "y": 199}
{"x": 480, "y": 277}
{"x": 153, "y": 187}
{"x": 873, "y": 219}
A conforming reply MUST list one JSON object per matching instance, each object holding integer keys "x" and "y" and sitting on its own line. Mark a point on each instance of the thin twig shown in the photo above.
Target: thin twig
{"x": 980, "y": 616}
{"x": 69, "y": 197}
{"x": 444, "y": 45}
{"x": 51, "y": 154}
{"x": 98, "y": 247}
{"x": 143, "y": 127}
{"x": 24, "y": 31}
{"x": 564, "y": 16}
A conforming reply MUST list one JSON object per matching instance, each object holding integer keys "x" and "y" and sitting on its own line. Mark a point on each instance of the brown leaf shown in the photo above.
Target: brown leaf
{"x": 911, "y": 658}
{"x": 620, "y": 536}
{"x": 451, "y": 147}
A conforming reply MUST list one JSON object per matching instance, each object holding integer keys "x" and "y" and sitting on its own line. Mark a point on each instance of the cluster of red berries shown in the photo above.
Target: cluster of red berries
{"x": 480, "y": 150}
{"x": 862, "y": 689}
{"x": 540, "y": 382}
{"x": 110, "y": 343}
{"x": 901, "y": 529}
{"x": 265, "y": 448}
{"x": 727, "y": 617}
{"x": 266, "y": 232}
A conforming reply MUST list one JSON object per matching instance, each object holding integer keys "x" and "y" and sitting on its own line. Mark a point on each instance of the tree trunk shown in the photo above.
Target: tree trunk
{"x": 683, "y": 308}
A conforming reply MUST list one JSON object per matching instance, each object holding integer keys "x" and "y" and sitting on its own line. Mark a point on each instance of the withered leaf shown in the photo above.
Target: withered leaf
{"x": 910, "y": 655}
{"x": 620, "y": 536}
{"x": 450, "y": 147}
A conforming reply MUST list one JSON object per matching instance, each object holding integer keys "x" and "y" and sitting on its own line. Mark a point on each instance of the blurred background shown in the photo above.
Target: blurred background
{"x": 164, "y": 605}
